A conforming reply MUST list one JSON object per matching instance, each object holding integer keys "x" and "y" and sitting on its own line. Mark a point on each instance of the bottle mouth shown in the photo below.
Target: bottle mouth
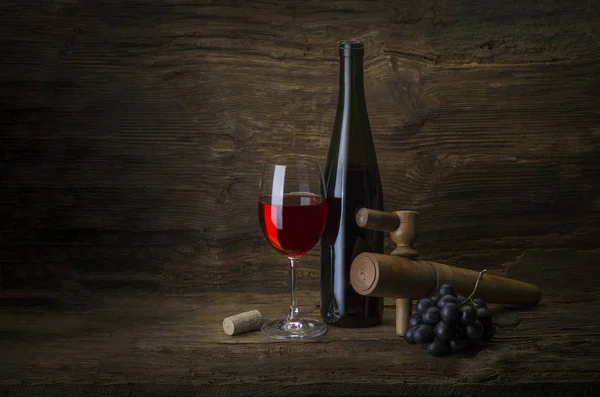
{"x": 351, "y": 48}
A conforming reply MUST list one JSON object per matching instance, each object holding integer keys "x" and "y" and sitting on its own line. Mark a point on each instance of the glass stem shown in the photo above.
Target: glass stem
{"x": 293, "y": 301}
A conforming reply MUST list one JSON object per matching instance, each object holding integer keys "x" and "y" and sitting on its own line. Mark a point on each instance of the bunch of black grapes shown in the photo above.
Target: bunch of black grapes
{"x": 449, "y": 323}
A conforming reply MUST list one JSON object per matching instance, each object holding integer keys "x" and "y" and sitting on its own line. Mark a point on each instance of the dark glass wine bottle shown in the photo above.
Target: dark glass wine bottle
{"x": 353, "y": 182}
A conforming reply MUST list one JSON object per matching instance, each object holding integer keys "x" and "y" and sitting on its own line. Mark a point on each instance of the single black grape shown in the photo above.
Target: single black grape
{"x": 446, "y": 299}
{"x": 450, "y": 312}
{"x": 432, "y": 316}
{"x": 434, "y": 299}
{"x": 468, "y": 315}
{"x": 460, "y": 298}
{"x": 489, "y": 333}
{"x": 459, "y": 332}
{"x": 423, "y": 334}
{"x": 424, "y": 304}
{"x": 459, "y": 345}
{"x": 489, "y": 329}
{"x": 446, "y": 289}
{"x": 438, "y": 347}
{"x": 484, "y": 312}
{"x": 415, "y": 319}
{"x": 475, "y": 330}
{"x": 486, "y": 321}
{"x": 409, "y": 335}
{"x": 480, "y": 303}
{"x": 444, "y": 330}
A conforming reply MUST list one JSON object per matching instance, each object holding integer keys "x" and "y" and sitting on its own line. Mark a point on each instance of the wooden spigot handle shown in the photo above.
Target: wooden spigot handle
{"x": 377, "y": 220}
{"x": 403, "y": 228}
{"x": 402, "y": 225}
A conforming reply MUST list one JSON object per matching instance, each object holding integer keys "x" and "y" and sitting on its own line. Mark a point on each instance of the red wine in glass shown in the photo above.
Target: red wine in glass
{"x": 294, "y": 224}
{"x": 292, "y": 211}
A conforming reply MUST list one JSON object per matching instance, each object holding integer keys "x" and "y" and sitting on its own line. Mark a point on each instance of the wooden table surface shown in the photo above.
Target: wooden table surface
{"x": 134, "y": 343}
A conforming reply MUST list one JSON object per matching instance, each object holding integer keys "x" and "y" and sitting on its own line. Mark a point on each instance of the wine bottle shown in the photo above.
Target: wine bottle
{"x": 353, "y": 181}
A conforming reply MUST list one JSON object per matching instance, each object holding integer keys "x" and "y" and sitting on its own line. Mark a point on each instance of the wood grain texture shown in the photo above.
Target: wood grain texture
{"x": 150, "y": 119}
{"x": 132, "y": 136}
{"x": 158, "y": 343}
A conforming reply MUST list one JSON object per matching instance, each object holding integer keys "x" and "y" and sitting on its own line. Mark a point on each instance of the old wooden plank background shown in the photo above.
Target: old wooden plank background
{"x": 133, "y": 134}
{"x": 131, "y": 128}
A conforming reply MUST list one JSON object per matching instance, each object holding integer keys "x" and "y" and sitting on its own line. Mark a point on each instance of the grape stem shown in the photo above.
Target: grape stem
{"x": 468, "y": 299}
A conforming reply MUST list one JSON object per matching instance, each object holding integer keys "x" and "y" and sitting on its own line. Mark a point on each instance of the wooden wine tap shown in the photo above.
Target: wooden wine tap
{"x": 402, "y": 276}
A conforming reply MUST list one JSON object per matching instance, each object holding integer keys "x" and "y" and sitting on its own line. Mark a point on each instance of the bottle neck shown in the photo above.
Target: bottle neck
{"x": 352, "y": 91}
{"x": 352, "y": 143}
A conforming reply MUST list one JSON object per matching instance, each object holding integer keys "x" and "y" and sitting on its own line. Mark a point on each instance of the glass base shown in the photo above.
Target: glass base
{"x": 296, "y": 329}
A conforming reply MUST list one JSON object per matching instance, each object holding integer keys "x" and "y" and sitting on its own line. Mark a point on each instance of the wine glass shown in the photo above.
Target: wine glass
{"x": 292, "y": 210}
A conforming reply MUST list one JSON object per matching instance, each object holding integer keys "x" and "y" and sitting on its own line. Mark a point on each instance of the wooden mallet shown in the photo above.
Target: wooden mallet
{"x": 404, "y": 277}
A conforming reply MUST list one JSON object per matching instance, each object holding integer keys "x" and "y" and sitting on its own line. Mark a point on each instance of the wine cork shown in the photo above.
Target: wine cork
{"x": 243, "y": 322}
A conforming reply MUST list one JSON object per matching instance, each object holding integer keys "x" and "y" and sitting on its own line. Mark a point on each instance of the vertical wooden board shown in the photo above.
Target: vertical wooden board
{"x": 156, "y": 115}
